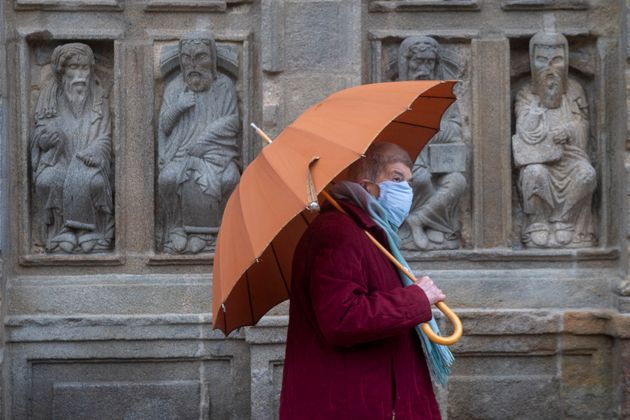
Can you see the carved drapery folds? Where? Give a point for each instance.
(439, 180)
(556, 180)
(198, 144)
(71, 157)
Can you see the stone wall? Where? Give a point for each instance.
(3, 186)
(125, 331)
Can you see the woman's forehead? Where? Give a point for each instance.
(397, 169)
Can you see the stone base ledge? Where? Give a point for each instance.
(33, 328)
(478, 323)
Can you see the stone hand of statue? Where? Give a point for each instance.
(89, 158)
(50, 140)
(186, 99)
(434, 294)
(197, 150)
(560, 135)
(533, 116)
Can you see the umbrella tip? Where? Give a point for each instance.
(313, 206)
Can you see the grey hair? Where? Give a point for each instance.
(377, 157)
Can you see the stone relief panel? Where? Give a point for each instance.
(199, 142)
(552, 149)
(71, 154)
(440, 173)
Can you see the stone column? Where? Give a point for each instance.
(3, 189)
(491, 137)
(136, 174)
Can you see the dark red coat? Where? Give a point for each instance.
(352, 351)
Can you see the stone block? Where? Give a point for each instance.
(322, 37)
(620, 327)
(445, 158)
(504, 397)
(166, 400)
(273, 40)
(320, 86)
(587, 390)
(111, 295)
(587, 323)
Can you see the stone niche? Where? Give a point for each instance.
(440, 217)
(70, 160)
(552, 218)
(188, 184)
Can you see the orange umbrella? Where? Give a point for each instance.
(275, 200)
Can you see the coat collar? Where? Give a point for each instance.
(362, 219)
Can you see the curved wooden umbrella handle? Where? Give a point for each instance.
(457, 327)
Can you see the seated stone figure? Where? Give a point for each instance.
(433, 222)
(198, 148)
(556, 178)
(71, 158)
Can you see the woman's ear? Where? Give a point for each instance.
(371, 187)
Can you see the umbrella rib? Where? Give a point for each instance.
(322, 139)
(414, 125)
(284, 281)
(436, 97)
(249, 297)
(304, 218)
(251, 245)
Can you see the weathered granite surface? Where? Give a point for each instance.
(126, 331)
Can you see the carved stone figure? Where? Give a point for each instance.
(438, 179)
(71, 157)
(556, 178)
(198, 148)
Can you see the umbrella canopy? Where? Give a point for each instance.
(268, 211)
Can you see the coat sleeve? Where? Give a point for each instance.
(346, 312)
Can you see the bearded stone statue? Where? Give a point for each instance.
(198, 148)
(556, 179)
(433, 221)
(71, 157)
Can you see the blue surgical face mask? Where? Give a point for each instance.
(395, 198)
